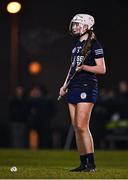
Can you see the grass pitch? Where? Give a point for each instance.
(54, 164)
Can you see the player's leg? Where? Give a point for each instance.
(81, 125)
(72, 109)
(83, 135)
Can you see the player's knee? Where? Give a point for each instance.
(79, 128)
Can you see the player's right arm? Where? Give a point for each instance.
(63, 89)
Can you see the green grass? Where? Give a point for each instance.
(53, 164)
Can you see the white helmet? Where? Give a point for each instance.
(84, 19)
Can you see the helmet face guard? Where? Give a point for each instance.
(82, 20)
(77, 29)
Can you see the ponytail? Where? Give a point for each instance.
(88, 43)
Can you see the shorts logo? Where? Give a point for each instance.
(83, 95)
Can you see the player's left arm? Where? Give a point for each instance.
(99, 68)
(98, 54)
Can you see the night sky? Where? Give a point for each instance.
(44, 37)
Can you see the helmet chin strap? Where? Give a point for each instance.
(82, 29)
(79, 35)
(84, 33)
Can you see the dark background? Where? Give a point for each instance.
(43, 36)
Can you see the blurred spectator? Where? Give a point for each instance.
(122, 99)
(41, 112)
(117, 126)
(106, 100)
(101, 115)
(106, 95)
(18, 114)
(123, 88)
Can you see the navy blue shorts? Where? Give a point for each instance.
(84, 94)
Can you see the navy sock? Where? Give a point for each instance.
(90, 158)
(83, 159)
(87, 159)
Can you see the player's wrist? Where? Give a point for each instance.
(84, 68)
(64, 87)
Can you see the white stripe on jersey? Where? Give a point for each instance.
(98, 51)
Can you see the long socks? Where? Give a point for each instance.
(87, 159)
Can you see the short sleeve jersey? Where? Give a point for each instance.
(77, 57)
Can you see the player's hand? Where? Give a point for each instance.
(63, 91)
(79, 68)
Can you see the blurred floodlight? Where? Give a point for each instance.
(35, 68)
(13, 7)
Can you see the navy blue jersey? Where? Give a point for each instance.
(84, 77)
